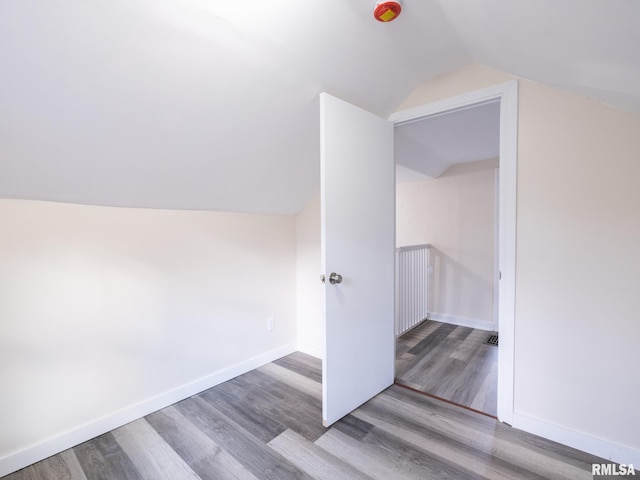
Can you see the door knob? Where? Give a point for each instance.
(335, 278)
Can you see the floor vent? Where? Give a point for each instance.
(493, 340)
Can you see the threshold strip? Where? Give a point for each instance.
(444, 400)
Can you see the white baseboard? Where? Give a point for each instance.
(462, 321)
(579, 440)
(312, 350)
(19, 459)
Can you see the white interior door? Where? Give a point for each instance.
(358, 243)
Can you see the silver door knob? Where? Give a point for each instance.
(322, 278)
(335, 278)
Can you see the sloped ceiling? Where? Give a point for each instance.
(210, 104)
(432, 145)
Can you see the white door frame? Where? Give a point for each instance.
(507, 94)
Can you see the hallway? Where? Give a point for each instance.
(450, 362)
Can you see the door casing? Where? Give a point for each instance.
(507, 94)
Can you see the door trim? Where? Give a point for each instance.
(507, 94)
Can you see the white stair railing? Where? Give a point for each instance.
(412, 286)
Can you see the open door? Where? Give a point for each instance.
(358, 248)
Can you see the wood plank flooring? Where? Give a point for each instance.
(266, 424)
(450, 362)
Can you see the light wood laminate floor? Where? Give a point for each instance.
(450, 362)
(266, 424)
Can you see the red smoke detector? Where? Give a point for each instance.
(386, 11)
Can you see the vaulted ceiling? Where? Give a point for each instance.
(211, 104)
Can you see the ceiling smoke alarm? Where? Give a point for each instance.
(386, 11)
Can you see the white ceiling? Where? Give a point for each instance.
(432, 145)
(211, 104)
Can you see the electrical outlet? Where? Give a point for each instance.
(270, 324)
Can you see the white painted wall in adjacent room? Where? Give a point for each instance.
(455, 215)
(309, 289)
(578, 266)
(109, 313)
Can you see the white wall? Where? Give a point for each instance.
(309, 288)
(578, 264)
(110, 313)
(455, 214)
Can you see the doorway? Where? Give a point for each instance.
(345, 136)
(446, 231)
(504, 98)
